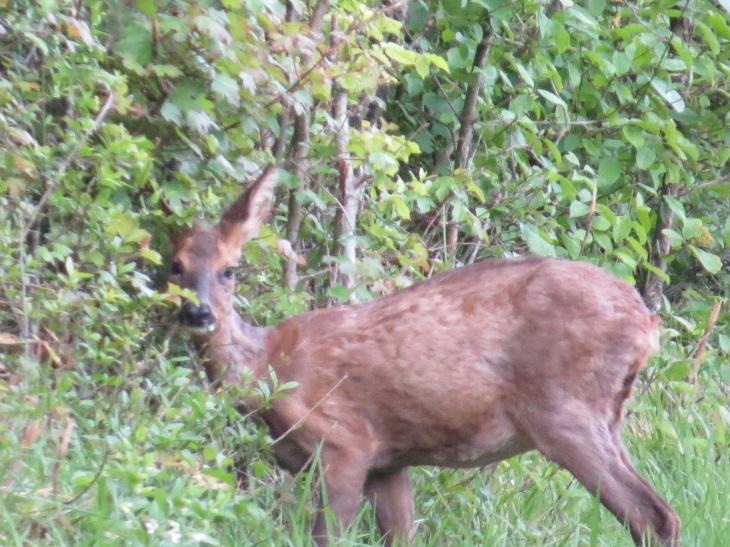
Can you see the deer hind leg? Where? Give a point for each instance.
(344, 472)
(391, 495)
(592, 450)
(666, 528)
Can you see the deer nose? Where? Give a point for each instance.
(195, 316)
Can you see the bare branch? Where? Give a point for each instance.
(692, 376)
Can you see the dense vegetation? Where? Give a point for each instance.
(415, 137)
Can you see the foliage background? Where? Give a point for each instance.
(415, 138)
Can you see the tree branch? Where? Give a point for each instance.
(468, 117)
(654, 288)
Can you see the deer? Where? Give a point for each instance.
(467, 368)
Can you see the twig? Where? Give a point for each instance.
(62, 449)
(309, 412)
(93, 481)
(692, 376)
(715, 182)
(591, 214)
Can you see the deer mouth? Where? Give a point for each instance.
(198, 330)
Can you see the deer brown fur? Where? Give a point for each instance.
(470, 367)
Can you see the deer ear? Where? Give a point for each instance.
(243, 219)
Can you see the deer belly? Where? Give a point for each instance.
(290, 455)
(472, 445)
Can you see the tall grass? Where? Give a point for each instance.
(165, 464)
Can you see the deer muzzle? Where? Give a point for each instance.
(197, 316)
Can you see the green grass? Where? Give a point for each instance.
(156, 466)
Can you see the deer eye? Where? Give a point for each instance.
(176, 268)
(228, 273)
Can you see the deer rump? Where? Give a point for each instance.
(467, 368)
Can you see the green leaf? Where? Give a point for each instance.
(400, 207)
(624, 256)
(562, 40)
(606, 212)
(638, 247)
(621, 63)
(709, 261)
(604, 241)
(220, 475)
(553, 98)
(645, 157)
(135, 42)
(438, 61)
(200, 121)
(571, 244)
(414, 84)
(609, 170)
(70, 267)
(692, 228)
(384, 162)
(676, 206)
(678, 371)
(579, 209)
(152, 256)
(526, 77)
(167, 71)
(639, 231)
(453, 7)
(350, 82)
(601, 223)
(535, 242)
(709, 36)
(671, 96)
(675, 239)
(339, 292)
(400, 54)
(147, 7)
(656, 271)
(634, 134)
(226, 87)
(171, 113)
(725, 344)
(583, 17)
(423, 66)
(718, 22)
(621, 229)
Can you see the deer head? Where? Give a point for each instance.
(204, 261)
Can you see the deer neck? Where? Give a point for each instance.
(234, 348)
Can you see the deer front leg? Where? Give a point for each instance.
(391, 495)
(344, 472)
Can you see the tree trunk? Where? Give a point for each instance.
(351, 187)
(298, 154)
